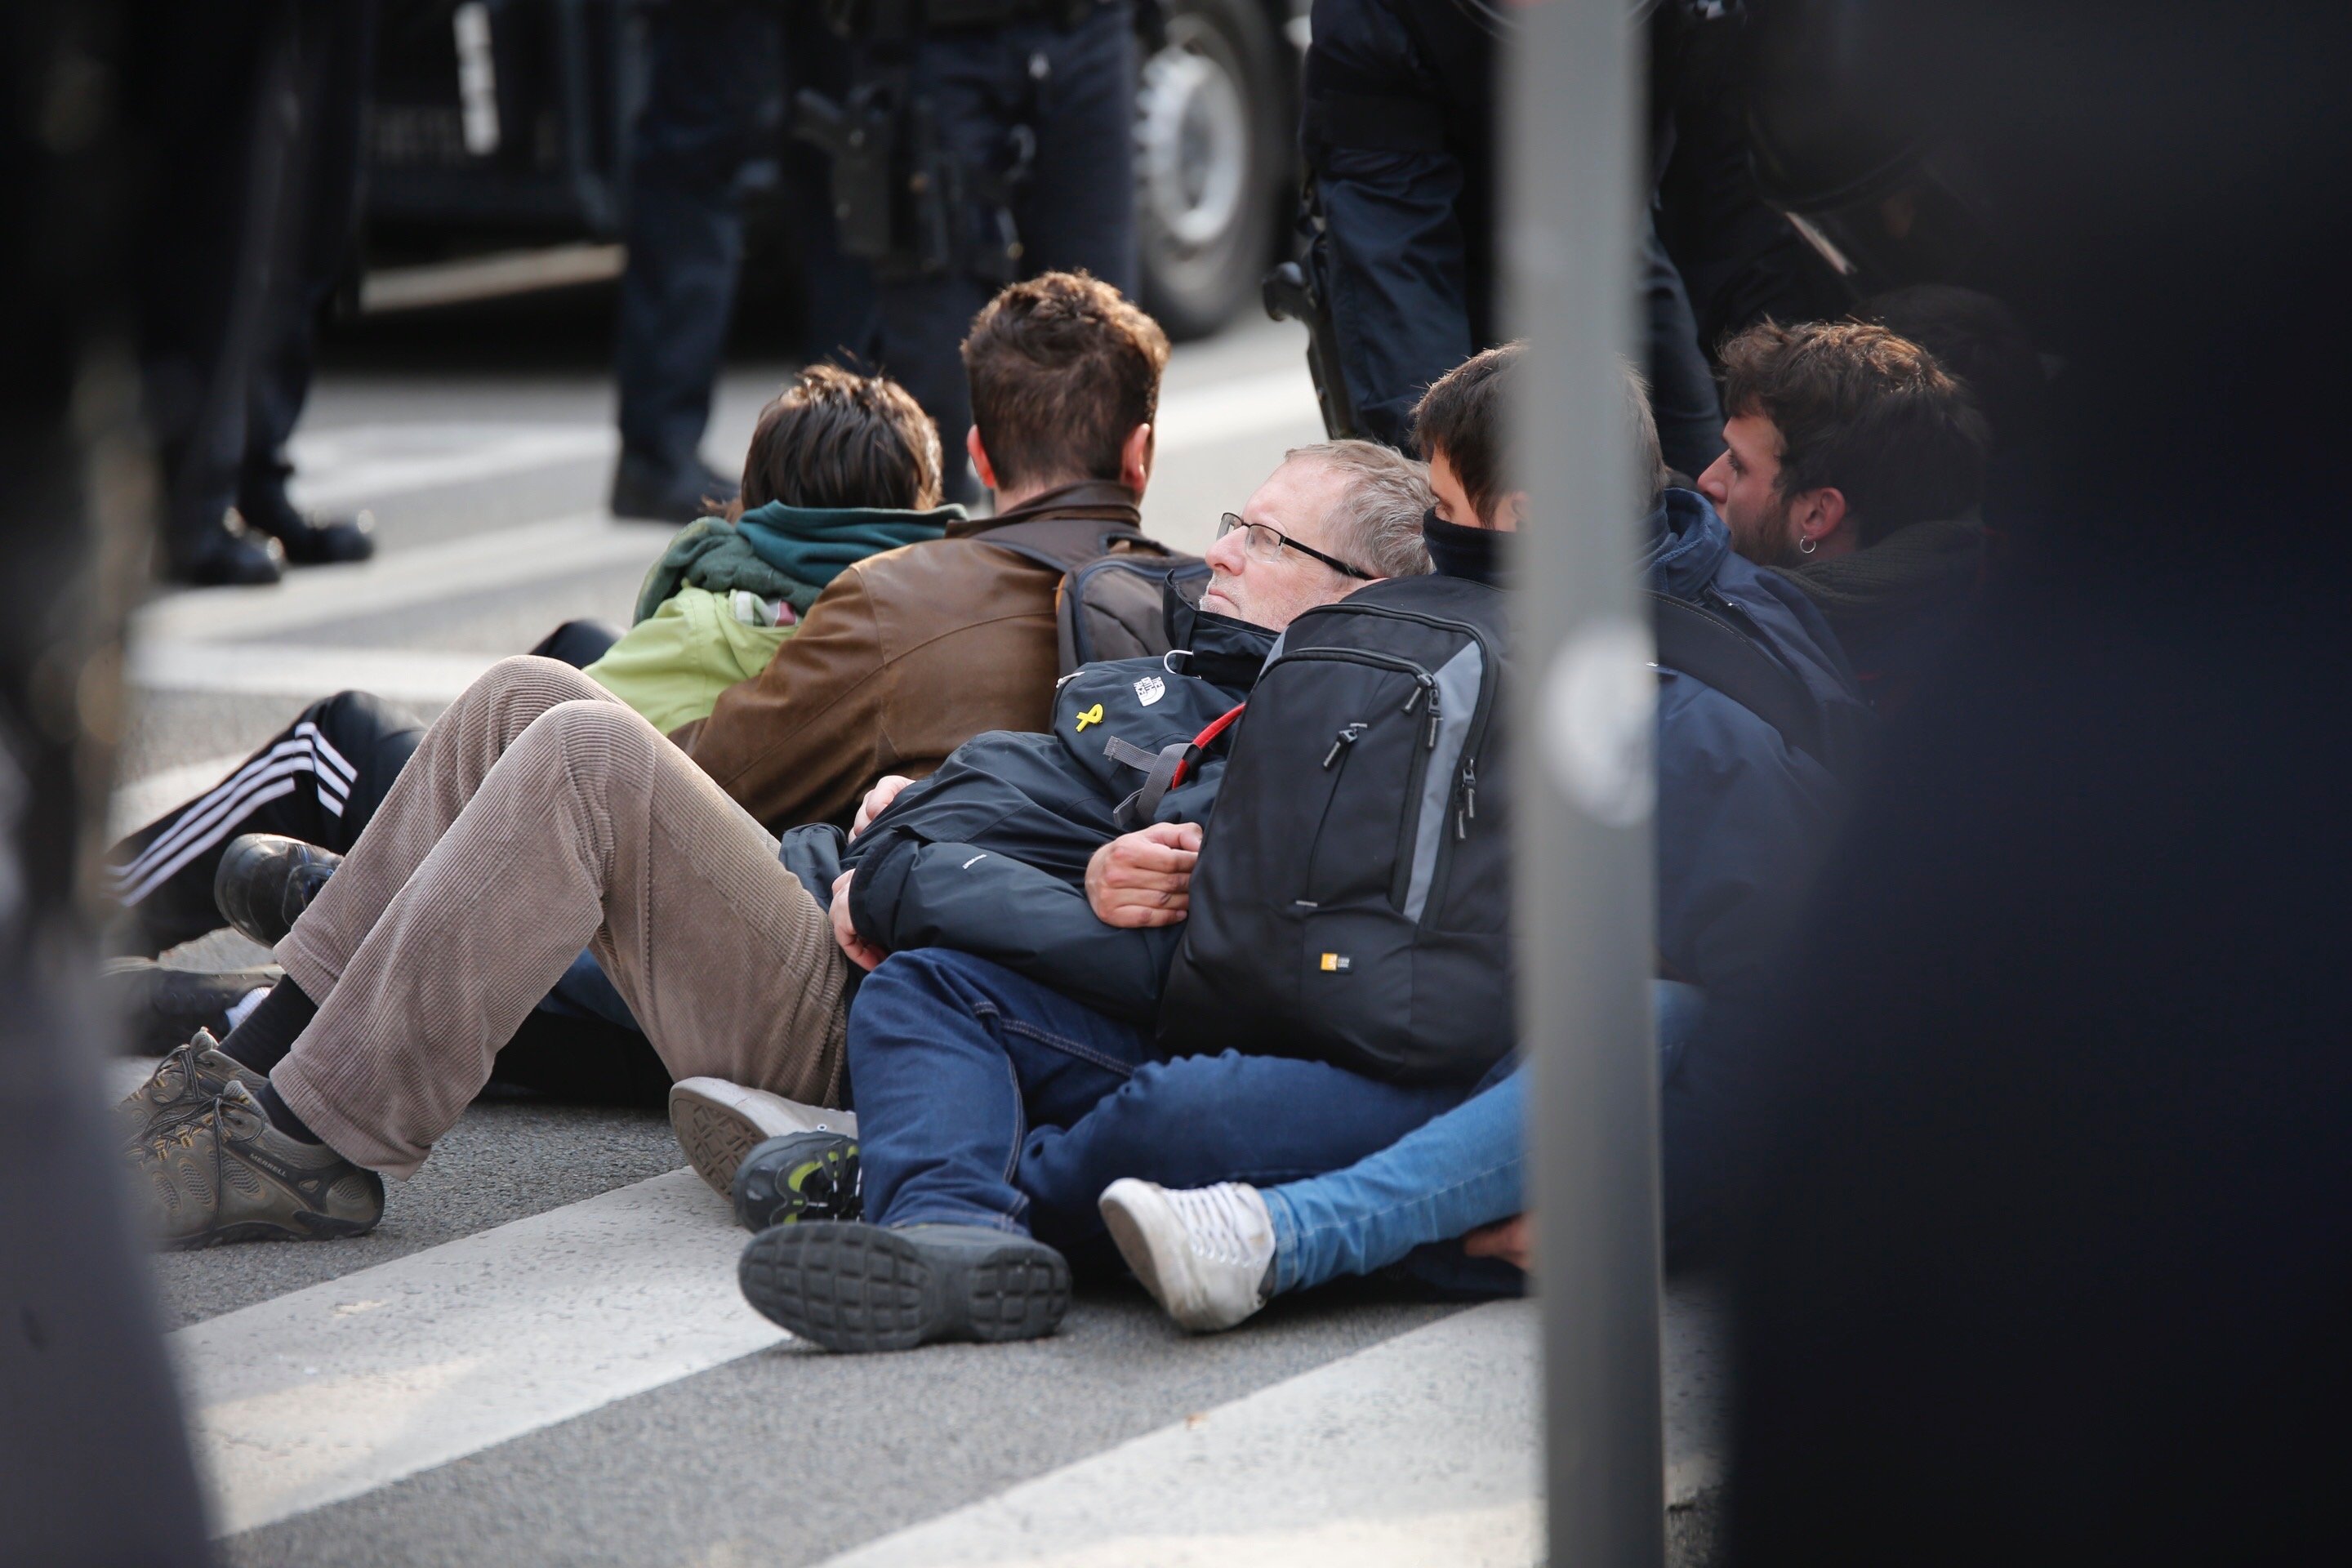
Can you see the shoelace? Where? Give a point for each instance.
(1218, 1222)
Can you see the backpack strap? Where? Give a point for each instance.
(1161, 773)
(1717, 654)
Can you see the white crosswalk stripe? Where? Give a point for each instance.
(335, 1390)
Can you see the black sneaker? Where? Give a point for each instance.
(862, 1287)
(309, 540)
(798, 1177)
(645, 491)
(265, 881)
(160, 1007)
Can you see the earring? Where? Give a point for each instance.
(1806, 547)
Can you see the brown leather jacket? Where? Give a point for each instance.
(903, 658)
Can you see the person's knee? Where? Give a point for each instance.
(359, 719)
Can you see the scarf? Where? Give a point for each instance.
(780, 551)
(1912, 578)
(1457, 551)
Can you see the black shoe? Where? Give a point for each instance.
(649, 492)
(265, 881)
(798, 1178)
(862, 1287)
(160, 1007)
(221, 559)
(309, 541)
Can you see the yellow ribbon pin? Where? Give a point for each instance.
(1091, 716)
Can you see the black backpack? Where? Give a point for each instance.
(1109, 605)
(1352, 902)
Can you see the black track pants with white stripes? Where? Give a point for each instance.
(320, 779)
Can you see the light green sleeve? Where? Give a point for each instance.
(672, 666)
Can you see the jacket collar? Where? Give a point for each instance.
(1683, 543)
(1097, 500)
(1217, 648)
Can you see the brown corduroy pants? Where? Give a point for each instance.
(541, 816)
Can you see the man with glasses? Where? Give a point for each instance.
(1018, 911)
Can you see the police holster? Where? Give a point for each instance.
(900, 196)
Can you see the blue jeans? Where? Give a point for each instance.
(986, 1098)
(1457, 1171)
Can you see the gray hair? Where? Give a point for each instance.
(1377, 523)
(1651, 476)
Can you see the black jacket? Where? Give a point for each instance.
(989, 855)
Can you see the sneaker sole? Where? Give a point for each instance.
(716, 1134)
(303, 1227)
(858, 1288)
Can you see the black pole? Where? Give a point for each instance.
(94, 1463)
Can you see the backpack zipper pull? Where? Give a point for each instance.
(1432, 744)
(1470, 788)
(1348, 735)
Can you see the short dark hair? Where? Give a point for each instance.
(1864, 412)
(1462, 414)
(1980, 341)
(1063, 369)
(834, 438)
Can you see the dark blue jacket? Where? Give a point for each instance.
(1743, 819)
(989, 855)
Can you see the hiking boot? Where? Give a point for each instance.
(643, 491)
(1206, 1254)
(184, 1084)
(267, 880)
(227, 1173)
(162, 1007)
(798, 1178)
(863, 1288)
(718, 1122)
(306, 539)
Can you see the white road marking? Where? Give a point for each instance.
(370, 463)
(262, 669)
(1420, 1450)
(340, 1388)
(320, 595)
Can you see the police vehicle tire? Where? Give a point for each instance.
(1213, 112)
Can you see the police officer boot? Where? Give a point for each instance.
(309, 541)
(646, 489)
(215, 557)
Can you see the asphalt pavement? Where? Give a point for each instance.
(539, 1357)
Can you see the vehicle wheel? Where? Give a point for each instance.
(1212, 137)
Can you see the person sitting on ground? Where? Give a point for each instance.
(839, 466)
(1854, 465)
(730, 589)
(1213, 1252)
(905, 655)
(1010, 991)
(541, 816)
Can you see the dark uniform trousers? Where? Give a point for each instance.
(1073, 90)
(714, 67)
(1399, 137)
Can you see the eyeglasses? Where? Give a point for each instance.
(1262, 542)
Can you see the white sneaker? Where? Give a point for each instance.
(718, 1123)
(1206, 1254)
